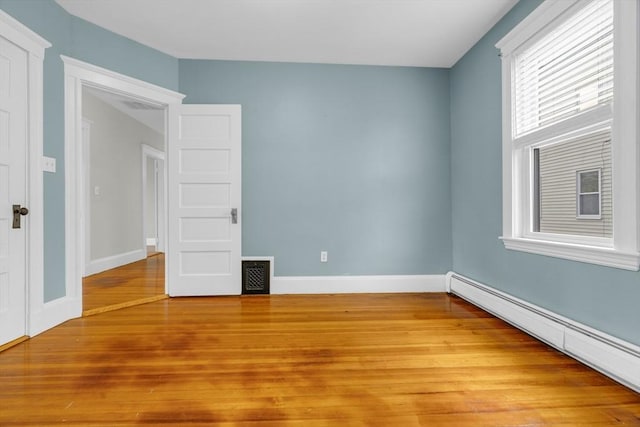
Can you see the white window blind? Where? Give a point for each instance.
(566, 72)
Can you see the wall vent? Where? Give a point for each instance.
(137, 105)
(255, 277)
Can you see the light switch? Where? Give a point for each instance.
(48, 164)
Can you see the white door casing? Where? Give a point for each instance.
(13, 141)
(22, 52)
(204, 183)
(79, 74)
(86, 189)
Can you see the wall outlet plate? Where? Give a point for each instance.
(48, 164)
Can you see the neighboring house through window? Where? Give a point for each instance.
(570, 132)
(588, 200)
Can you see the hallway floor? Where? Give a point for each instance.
(136, 282)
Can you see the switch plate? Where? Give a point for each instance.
(324, 256)
(48, 164)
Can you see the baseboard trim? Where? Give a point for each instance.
(616, 358)
(357, 284)
(107, 263)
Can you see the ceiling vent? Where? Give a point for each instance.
(137, 105)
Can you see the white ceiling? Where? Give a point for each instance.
(424, 33)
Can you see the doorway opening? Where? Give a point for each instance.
(81, 77)
(153, 190)
(123, 142)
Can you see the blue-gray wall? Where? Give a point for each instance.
(79, 39)
(353, 160)
(392, 170)
(605, 298)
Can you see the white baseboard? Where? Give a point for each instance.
(616, 358)
(107, 263)
(349, 284)
(357, 284)
(52, 314)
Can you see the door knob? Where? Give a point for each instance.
(234, 216)
(18, 211)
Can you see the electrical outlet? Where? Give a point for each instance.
(324, 256)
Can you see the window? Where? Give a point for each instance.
(570, 126)
(588, 200)
(560, 207)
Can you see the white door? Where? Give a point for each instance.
(13, 143)
(204, 186)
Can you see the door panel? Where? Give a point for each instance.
(204, 170)
(13, 142)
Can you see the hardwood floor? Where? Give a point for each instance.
(132, 284)
(327, 360)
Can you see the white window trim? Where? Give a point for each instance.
(622, 251)
(579, 193)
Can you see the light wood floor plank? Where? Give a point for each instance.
(325, 360)
(132, 284)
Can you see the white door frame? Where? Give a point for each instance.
(76, 75)
(35, 46)
(86, 180)
(149, 152)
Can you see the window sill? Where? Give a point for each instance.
(590, 254)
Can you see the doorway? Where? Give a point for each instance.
(22, 309)
(120, 137)
(78, 77)
(153, 189)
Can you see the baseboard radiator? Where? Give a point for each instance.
(616, 358)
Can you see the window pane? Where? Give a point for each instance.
(589, 182)
(558, 203)
(568, 71)
(589, 204)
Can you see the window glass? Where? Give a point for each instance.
(589, 182)
(568, 71)
(569, 168)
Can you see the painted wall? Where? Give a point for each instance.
(353, 160)
(602, 297)
(116, 222)
(74, 37)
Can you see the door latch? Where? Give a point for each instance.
(234, 216)
(18, 211)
